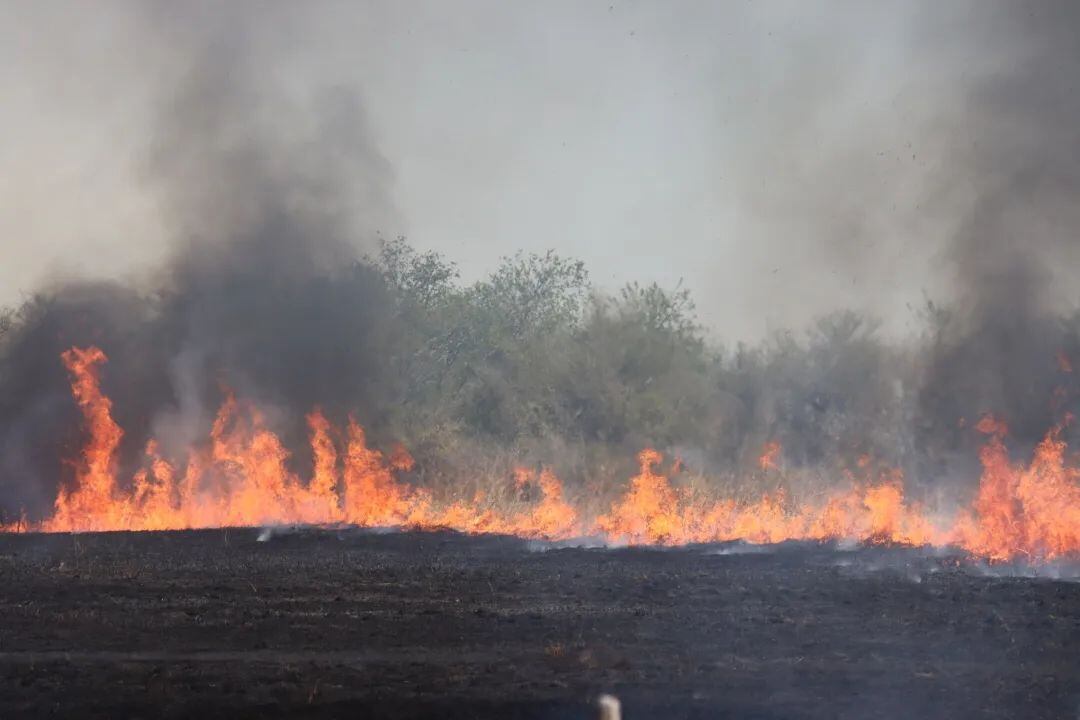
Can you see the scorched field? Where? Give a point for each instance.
(349, 623)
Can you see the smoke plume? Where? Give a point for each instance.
(266, 200)
(270, 189)
(1016, 162)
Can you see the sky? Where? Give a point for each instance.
(779, 159)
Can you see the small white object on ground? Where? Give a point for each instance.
(610, 709)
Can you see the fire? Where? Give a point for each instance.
(650, 512)
(770, 454)
(1064, 363)
(1030, 511)
(92, 501)
(240, 477)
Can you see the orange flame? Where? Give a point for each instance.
(93, 501)
(1031, 511)
(770, 454)
(241, 478)
(649, 513)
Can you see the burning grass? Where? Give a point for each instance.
(240, 478)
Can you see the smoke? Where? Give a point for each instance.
(263, 195)
(267, 198)
(1013, 256)
(267, 187)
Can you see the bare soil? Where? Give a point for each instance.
(352, 624)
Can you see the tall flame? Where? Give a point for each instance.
(93, 501)
(241, 478)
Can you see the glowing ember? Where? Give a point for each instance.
(241, 478)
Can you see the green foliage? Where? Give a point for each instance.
(533, 356)
(533, 352)
(660, 311)
(7, 321)
(528, 295)
(422, 280)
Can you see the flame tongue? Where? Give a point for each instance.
(93, 503)
(242, 479)
(1031, 511)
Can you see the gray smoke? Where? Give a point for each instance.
(268, 200)
(265, 199)
(1016, 156)
(269, 188)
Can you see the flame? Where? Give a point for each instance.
(1028, 511)
(1064, 363)
(241, 477)
(769, 456)
(93, 500)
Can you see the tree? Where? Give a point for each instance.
(425, 280)
(532, 294)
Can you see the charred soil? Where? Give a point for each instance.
(345, 623)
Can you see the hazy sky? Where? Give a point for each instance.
(784, 158)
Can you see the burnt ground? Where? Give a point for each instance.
(404, 625)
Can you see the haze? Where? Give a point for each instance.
(782, 159)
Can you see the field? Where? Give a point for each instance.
(345, 623)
